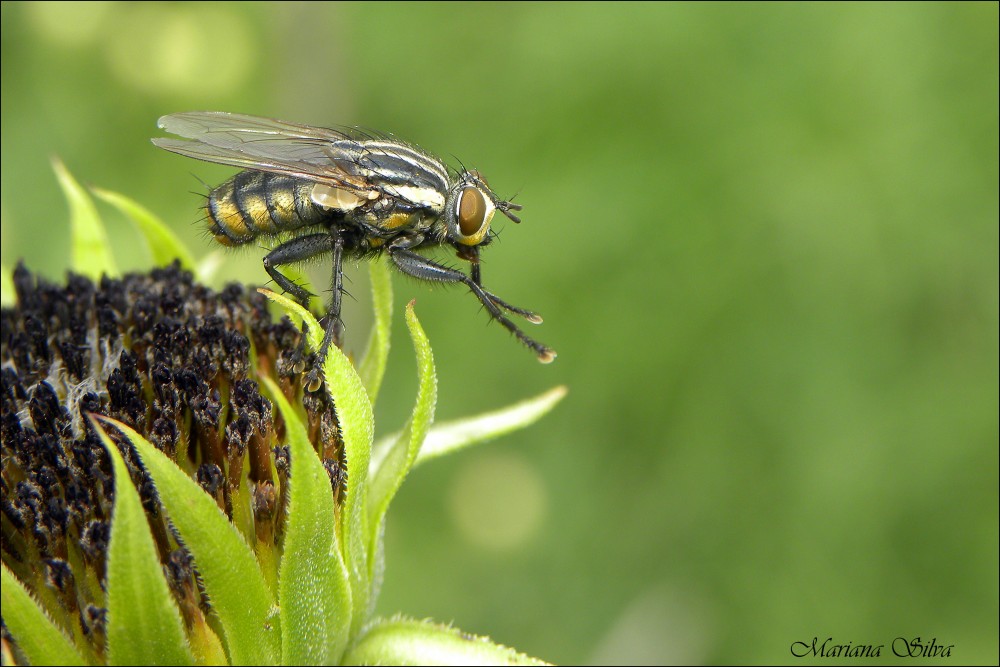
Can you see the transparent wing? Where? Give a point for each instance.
(264, 144)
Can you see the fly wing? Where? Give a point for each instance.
(327, 175)
(264, 144)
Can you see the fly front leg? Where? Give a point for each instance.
(422, 268)
(471, 255)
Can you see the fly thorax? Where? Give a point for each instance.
(421, 197)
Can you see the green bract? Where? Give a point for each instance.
(305, 597)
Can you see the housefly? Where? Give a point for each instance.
(347, 192)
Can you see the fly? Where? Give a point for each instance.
(345, 193)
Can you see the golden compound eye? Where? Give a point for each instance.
(472, 211)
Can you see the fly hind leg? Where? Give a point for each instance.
(297, 250)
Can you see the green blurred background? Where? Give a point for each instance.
(765, 242)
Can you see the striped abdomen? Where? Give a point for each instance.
(255, 203)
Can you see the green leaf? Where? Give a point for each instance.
(314, 592)
(42, 642)
(448, 437)
(399, 457)
(408, 642)
(377, 351)
(232, 578)
(144, 624)
(357, 426)
(451, 436)
(91, 252)
(389, 476)
(163, 243)
(8, 296)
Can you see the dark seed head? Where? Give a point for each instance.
(168, 357)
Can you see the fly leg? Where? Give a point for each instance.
(471, 254)
(332, 332)
(422, 268)
(296, 250)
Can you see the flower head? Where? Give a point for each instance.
(172, 494)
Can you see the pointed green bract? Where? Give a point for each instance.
(91, 254)
(163, 244)
(236, 588)
(390, 474)
(373, 362)
(357, 426)
(314, 592)
(42, 642)
(144, 625)
(408, 642)
(451, 436)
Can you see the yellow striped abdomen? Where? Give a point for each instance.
(257, 203)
